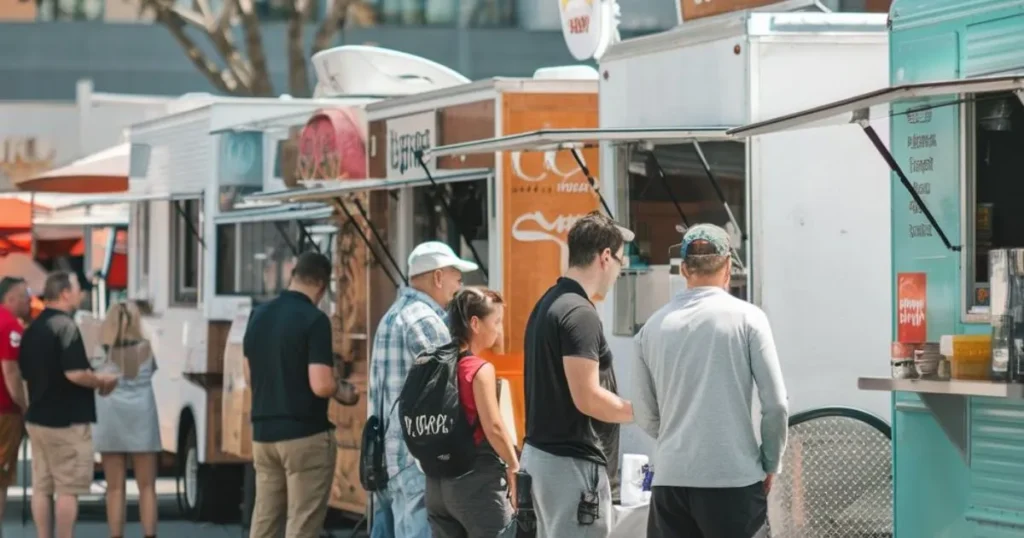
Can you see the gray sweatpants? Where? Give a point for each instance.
(558, 483)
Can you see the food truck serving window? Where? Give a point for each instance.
(994, 164)
(653, 213)
(186, 221)
(468, 203)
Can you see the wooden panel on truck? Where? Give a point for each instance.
(236, 405)
(543, 200)
(216, 338)
(698, 9)
(466, 123)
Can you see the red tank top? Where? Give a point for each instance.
(469, 365)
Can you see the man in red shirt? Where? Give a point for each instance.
(14, 308)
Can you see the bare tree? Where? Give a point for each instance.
(246, 74)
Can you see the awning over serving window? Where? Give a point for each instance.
(275, 212)
(556, 139)
(336, 188)
(135, 197)
(861, 109)
(573, 140)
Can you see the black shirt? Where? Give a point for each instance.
(51, 346)
(283, 337)
(564, 324)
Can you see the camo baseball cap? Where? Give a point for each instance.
(717, 237)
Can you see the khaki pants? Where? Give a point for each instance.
(61, 459)
(12, 428)
(293, 483)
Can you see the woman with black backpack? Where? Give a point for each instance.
(477, 504)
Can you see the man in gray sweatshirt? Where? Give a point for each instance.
(699, 358)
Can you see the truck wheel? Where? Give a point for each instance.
(207, 492)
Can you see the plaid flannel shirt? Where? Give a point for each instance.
(415, 323)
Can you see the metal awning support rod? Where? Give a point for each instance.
(597, 190)
(895, 167)
(718, 189)
(287, 240)
(448, 213)
(653, 159)
(366, 240)
(304, 236)
(380, 240)
(590, 179)
(188, 223)
(725, 203)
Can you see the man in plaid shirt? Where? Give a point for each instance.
(415, 323)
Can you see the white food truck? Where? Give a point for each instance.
(814, 253)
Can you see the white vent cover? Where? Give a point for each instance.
(566, 72)
(359, 70)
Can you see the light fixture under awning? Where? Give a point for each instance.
(331, 189)
(859, 109)
(557, 139)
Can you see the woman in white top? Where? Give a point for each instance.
(127, 423)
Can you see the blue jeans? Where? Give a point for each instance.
(401, 511)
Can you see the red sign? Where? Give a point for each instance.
(332, 145)
(911, 308)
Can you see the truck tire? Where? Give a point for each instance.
(207, 493)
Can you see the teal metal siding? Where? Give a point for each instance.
(906, 14)
(996, 501)
(993, 46)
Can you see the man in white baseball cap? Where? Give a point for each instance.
(415, 323)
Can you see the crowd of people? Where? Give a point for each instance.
(697, 361)
(55, 391)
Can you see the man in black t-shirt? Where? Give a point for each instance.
(61, 405)
(290, 367)
(567, 408)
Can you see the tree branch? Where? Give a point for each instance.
(333, 21)
(175, 23)
(260, 84)
(219, 30)
(298, 75)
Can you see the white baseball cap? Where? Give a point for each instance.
(434, 255)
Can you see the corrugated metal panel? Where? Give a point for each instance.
(993, 47)
(996, 501)
(181, 156)
(912, 13)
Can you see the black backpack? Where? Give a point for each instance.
(434, 426)
(373, 471)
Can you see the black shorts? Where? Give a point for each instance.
(707, 512)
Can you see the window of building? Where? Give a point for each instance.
(466, 13)
(468, 203)
(186, 231)
(70, 10)
(653, 213)
(994, 138)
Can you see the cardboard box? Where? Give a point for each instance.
(236, 402)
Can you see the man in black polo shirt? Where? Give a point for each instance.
(288, 347)
(61, 405)
(568, 408)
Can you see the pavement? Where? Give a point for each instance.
(92, 518)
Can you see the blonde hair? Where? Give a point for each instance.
(122, 325)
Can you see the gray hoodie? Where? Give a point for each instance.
(698, 359)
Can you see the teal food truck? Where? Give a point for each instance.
(955, 108)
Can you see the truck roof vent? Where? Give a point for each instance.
(566, 72)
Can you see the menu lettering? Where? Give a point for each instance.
(921, 164)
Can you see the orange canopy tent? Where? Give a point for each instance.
(16, 215)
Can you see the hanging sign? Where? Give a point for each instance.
(911, 308)
(588, 26)
(407, 135)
